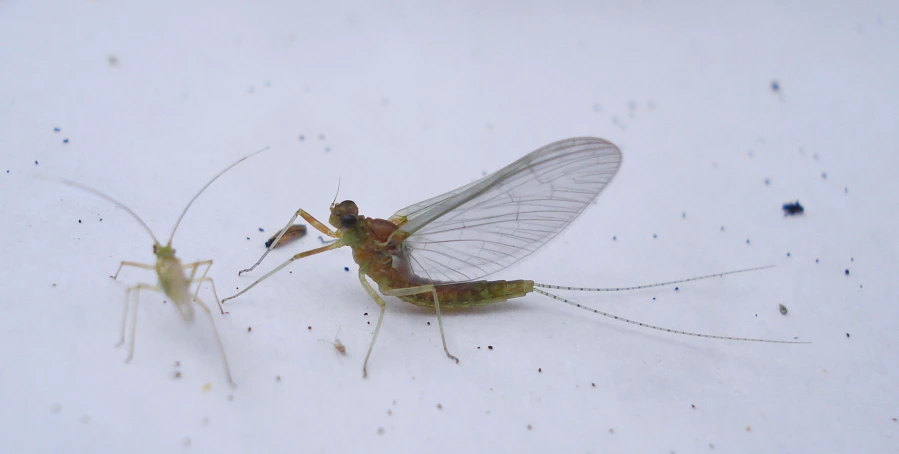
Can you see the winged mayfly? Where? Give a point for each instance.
(436, 253)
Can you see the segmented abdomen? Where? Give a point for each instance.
(469, 294)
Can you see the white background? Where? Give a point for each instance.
(412, 100)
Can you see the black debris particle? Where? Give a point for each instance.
(365, 313)
(847, 335)
(261, 229)
(346, 268)
(817, 260)
(429, 323)
(847, 271)
(309, 327)
(793, 208)
(693, 406)
(248, 238)
(79, 221)
(539, 369)
(249, 329)
(783, 309)
(593, 384)
(35, 162)
(489, 347)
(529, 427)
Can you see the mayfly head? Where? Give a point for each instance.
(344, 215)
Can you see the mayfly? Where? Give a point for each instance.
(434, 252)
(172, 276)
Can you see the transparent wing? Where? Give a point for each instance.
(492, 223)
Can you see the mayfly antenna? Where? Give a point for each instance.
(178, 222)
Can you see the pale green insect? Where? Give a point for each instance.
(172, 275)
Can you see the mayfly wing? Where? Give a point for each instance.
(487, 225)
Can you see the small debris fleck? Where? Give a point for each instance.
(793, 208)
(847, 271)
(261, 229)
(309, 327)
(56, 129)
(380, 431)
(186, 442)
(823, 175)
(767, 182)
(35, 162)
(277, 378)
(249, 329)
(346, 268)
(56, 408)
(539, 369)
(748, 429)
(693, 405)
(775, 86)
(177, 375)
(530, 427)
(489, 347)
(847, 335)
(788, 254)
(79, 221)
(683, 215)
(302, 137)
(747, 240)
(593, 384)
(722, 228)
(207, 386)
(817, 260)
(321, 137)
(614, 238)
(783, 309)
(676, 289)
(66, 140)
(365, 313)
(611, 431)
(177, 363)
(654, 236)
(439, 407)
(112, 60)
(429, 323)
(389, 412)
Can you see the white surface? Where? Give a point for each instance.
(414, 101)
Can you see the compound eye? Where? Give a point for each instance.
(348, 221)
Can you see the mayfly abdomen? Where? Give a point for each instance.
(470, 294)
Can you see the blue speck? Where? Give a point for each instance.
(614, 238)
(653, 298)
(302, 137)
(775, 86)
(676, 288)
(846, 190)
(683, 215)
(767, 182)
(346, 268)
(847, 271)
(722, 228)
(35, 162)
(327, 148)
(261, 229)
(747, 240)
(56, 129)
(654, 235)
(66, 140)
(824, 175)
(816, 260)
(248, 238)
(788, 254)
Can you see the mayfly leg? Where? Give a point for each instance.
(333, 245)
(311, 220)
(383, 306)
(425, 289)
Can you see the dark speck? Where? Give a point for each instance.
(248, 238)
(346, 268)
(676, 288)
(261, 229)
(722, 228)
(654, 235)
(847, 335)
(852, 259)
(683, 215)
(66, 140)
(56, 129)
(847, 271)
(653, 298)
(614, 238)
(302, 137)
(824, 175)
(788, 254)
(817, 260)
(793, 208)
(489, 347)
(747, 240)
(35, 162)
(775, 87)
(767, 182)
(79, 221)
